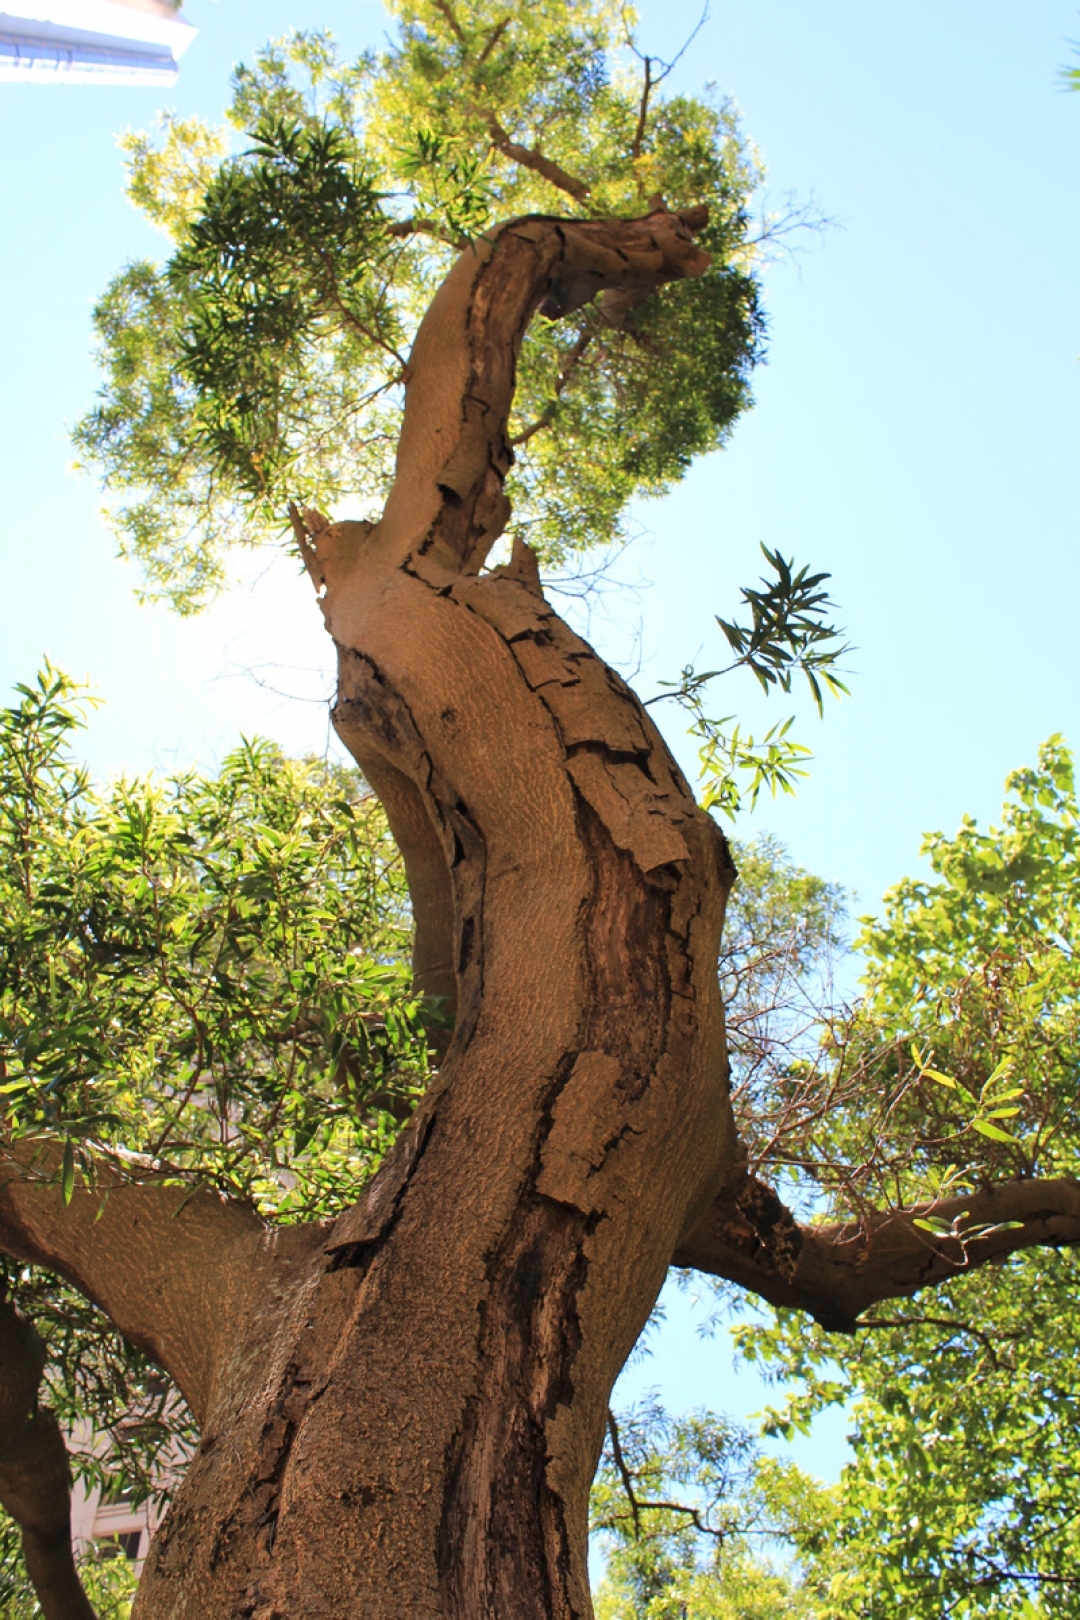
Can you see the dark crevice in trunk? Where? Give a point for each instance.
(504, 1547)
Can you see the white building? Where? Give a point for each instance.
(96, 1519)
(110, 1520)
(92, 41)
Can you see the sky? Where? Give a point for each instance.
(914, 433)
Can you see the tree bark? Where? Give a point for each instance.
(410, 1423)
(837, 1272)
(35, 1480)
(402, 1411)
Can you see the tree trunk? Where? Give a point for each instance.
(402, 1411)
(409, 1421)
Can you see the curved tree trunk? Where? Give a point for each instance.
(401, 1412)
(409, 1421)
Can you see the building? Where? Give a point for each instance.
(108, 1520)
(92, 41)
(95, 1518)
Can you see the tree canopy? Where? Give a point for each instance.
(959, 1495)
(264, 361)
(338, 1198)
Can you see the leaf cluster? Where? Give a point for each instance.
(694, 1520)
(789, 634)
(210, 972)
(958, 1067)
(264, 360)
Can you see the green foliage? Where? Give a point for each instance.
(265, 360)
(789, 634)
(204, 978)
(964, 1403)
(969, 1028)
(696, 1522)
(959, 1500)
(285, 250)
(206, 971)
(108, 1581)
(784, 931)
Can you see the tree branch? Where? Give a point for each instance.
(836, 1272)
(530, 158)
(462, 367)
(167, 1264)
(35, 1479)
(456, 28)
(643, 111)
(418, 225)
(566, 371)
(624, 1472)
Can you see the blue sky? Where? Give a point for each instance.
(915, 429)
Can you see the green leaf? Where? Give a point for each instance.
(67, 1172)
(995, 1134)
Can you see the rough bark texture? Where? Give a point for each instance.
(35, 1481)
(838, 1272)
(408, 1418)
(402, 1412)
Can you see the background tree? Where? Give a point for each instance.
(959, 1496)
(401, 1405)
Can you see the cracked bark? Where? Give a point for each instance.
(401, 1412)
(410, 1420)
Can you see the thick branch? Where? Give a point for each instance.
(837, 1272)
(164, 1262)
(454, 451)
(35, 1480)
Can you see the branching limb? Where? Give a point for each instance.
(638, 1506)
(566, 371)
(624, 1472)
(35, 1479)
(652, 79)
(530, 158)
(837, 1272)
(166, 1264)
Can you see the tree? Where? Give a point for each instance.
(959, 1498)
(401, 1397)
(960, 1493)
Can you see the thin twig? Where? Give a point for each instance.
(624, 1472)
(566, 371)
(643, 112)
